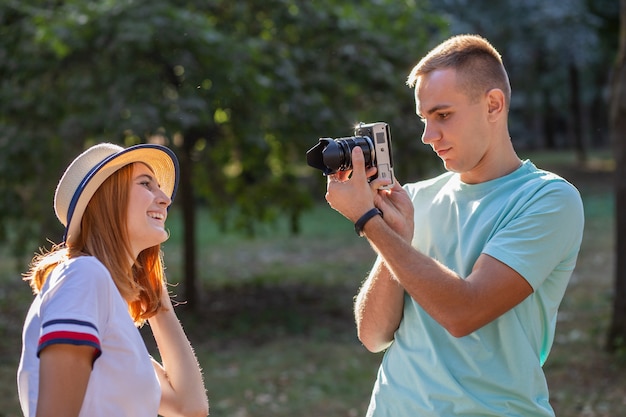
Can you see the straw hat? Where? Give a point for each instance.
(91, 168)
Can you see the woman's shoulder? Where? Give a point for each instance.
(84, 262)
(80, 267)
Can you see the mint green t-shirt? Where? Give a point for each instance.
(532, 221)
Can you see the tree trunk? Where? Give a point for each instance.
(617, 121)
(189, 225)
(549, 122)
(577, 116)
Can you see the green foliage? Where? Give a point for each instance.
(307, 69)
(240, 90)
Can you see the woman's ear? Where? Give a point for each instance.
(495, 104)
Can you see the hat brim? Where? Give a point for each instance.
(160, 159)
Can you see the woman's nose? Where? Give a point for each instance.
(163, 198)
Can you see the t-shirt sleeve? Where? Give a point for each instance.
(73, 309)
(543, 234)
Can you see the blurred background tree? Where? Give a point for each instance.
(616, 340)
(558, 55)
(240, 90)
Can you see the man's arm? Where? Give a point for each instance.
(459, 305)
(378, 308)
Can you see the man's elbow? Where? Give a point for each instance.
(460, 331)
(460, 327)
(373, 343)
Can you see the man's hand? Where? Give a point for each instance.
(349, 192)
(397, 210)
(352, 195)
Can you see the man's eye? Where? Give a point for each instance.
(444, 115)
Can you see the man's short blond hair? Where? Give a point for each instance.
(478, 65)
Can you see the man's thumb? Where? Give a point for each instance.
(358, 162)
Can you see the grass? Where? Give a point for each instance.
(275, 334)
(293, 377)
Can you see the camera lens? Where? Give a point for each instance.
(347, 145)
(332, 155)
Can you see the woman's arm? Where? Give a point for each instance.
(64, 372)
(182, 386)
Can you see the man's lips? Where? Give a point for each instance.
(442, 151)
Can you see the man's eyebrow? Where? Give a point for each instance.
(437, 108)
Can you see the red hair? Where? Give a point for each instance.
(104, 235)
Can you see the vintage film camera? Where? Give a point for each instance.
(332, 155)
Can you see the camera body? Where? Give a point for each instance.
(333, 155)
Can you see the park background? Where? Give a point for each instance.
(240, 90)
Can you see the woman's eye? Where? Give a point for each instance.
(146, 184)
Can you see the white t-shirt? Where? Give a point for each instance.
(79, 304)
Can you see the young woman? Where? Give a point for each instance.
(82, 352)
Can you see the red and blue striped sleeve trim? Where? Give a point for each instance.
(69, 321)
(71, 332)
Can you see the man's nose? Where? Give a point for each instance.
(430, 134)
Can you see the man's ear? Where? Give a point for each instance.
(496, 104)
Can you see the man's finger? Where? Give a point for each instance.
(358, 164)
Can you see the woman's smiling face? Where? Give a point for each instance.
(147, 210)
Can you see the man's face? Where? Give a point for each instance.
(455, 127)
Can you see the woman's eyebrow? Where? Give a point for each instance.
(149, 178)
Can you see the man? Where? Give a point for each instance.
(472, 265)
